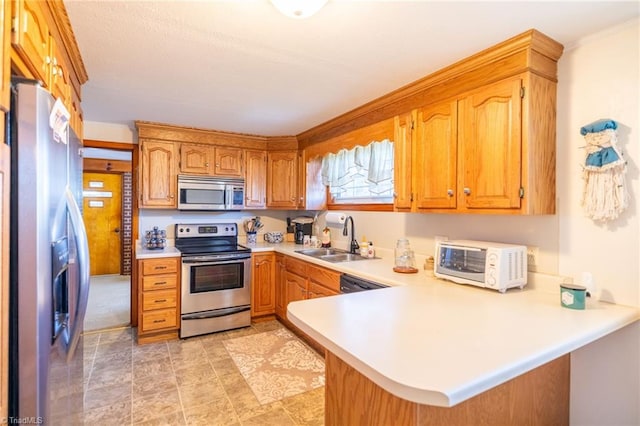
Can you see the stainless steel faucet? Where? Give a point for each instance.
(353, 245)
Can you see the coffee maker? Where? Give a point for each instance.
(303, 227)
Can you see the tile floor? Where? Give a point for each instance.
(181, 382)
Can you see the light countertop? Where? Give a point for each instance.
(169, 251)
(440, 343)
(435, 342)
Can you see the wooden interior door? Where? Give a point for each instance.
(102, 207)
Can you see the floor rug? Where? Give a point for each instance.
(276, 364)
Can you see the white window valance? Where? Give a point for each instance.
(372, 164)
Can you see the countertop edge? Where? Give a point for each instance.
(451, 397)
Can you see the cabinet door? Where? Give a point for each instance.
(195, 158)
(228, 162)
(31, 37)
(263, 300)
(255, 179)
(282, 179)
(403, 129)
(296, 287)
(60, 77)
(435, 156)
(158, 174)
(491, 148)
(281, 286)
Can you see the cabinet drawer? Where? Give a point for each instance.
(159, 266)
(159, 282)
(166, 318)
(328, 278)
(296, 266)
(152, 300)
(316, 290)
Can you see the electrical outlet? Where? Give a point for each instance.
(532, 258)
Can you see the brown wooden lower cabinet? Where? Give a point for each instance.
(158, 299)
(300, 280)
(539, 397)
(263, 295)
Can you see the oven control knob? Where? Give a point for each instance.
(181, 230)
(188, 230)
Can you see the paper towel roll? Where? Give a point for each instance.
(335, 218)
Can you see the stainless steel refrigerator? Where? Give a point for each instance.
(49, 264)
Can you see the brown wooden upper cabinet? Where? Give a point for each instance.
(479, 152)
(158, 177)
(255, 179)
(282, 179)
(41, 54)
(211, 160)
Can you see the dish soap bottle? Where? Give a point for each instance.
(364, 247)
(370, 251)
(326, 237)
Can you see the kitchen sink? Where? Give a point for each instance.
(317, 252)
(331, 255)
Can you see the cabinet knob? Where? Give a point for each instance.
(293, 198)
(206, 164)
(450, 192)
(467, 191)
(171, 196)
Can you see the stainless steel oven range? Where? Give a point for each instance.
(216, 278)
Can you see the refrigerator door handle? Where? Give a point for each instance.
(82, 244)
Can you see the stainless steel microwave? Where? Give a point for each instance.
(209, 193)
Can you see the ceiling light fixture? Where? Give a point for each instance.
(298, 9)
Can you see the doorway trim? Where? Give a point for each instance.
(133, 149)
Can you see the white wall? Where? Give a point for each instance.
(110, 132)
(600, 78)
(166, 219)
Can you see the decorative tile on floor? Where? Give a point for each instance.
(306, 409)
(106, 396)
(155, 405)
(220, 413)
(276, 416)
(115, 414)
(161, 383)
(201, 393)
(182, 382)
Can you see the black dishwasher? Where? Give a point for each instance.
(351, 284)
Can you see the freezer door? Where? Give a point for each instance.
(51, 267)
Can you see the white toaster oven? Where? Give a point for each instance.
(492, 265)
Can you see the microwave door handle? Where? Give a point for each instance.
(228, 197)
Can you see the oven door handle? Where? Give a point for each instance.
(215, 314)
(202, 262)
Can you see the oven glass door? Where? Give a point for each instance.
(215, 277)
(209, 285)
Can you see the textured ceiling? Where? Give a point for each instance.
(241, 66)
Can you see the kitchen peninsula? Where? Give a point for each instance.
(441, 353)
